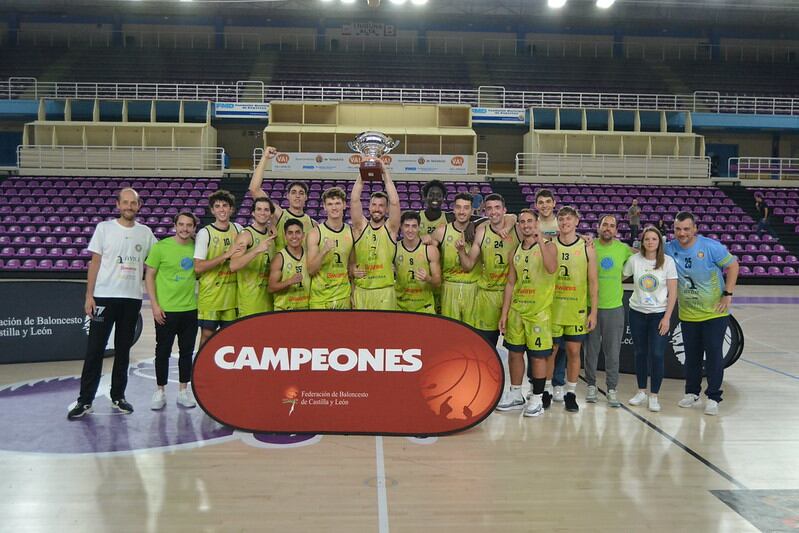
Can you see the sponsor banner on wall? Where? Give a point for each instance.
(255, 111)
(674, 357)
(498, 115)
(365, 372)
(399, 164)
(44, 321)
(369, 29)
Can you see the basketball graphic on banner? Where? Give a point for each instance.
(456, 388)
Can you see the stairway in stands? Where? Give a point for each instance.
(745, 199)
(512, 193)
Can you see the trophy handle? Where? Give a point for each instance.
(352, 147)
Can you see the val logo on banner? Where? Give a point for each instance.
(364, 372)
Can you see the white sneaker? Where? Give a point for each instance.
(654, 404)
(689, 400)
(512, 400)
(159, 400)
(590, 396)
(558, 394)
(638, 399)
(711, 407)
(613, 398)
(185, 398)
(534, 409)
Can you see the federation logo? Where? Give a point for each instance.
(606, 263)
(290, 397)
(187, 263)
(648, 283)
(700, 255)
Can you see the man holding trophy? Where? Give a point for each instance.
(375, 237)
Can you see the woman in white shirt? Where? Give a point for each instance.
(651, 304)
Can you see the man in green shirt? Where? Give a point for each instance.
(611, 254)
(170, 281)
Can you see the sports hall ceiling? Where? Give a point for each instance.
(781, 16)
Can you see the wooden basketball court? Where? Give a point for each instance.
(601, 469)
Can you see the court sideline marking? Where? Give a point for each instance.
(382, 499)
(680, 445)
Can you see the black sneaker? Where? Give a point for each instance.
(546, 399)
(570, 400)
(79, 410)
(123, 406)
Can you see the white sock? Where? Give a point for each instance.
(571, 387)
(538, 399)
(548, 386)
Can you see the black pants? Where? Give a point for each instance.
(183, 325)
(122, 312)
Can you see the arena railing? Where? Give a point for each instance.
(764, 168)
(127, 158)
(253, 91)
(549, 165)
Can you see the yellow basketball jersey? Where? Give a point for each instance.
(253, 279)
(535, 287)
(495, 254)
(427, 226)
(332, 282)
(374, 252)
(571, 288)
(451, 269)
(218, 288)
(295, 296)
(412, 294)
(280, 227)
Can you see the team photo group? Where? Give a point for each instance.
(553, 295)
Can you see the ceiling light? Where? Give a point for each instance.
(397, 2)
(418, 2)
(556, 4)
(604, 4)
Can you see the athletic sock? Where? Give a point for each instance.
(538, 386)
(548, 386)
(571, 387)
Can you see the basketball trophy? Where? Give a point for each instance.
(372, 145)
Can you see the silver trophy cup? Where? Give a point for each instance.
(372, 145)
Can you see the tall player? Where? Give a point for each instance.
(459, 287)
(433, 217)
(577, 278)
(525, 319)
(255, 249)
(214, 245)
(288, 278)
(375, 246)
(329, 247)
(297, 193)
(417, 267)
(493, 252)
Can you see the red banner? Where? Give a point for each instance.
(367, 372)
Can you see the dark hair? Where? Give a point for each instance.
(334, 192)
(301, 184)
(379, 194)
(433, 183)
(494, 197)
(221, 195)
(544, 193)
(188, 214)
(264, 199)
(464, 196)
(410, 215)
(568, 210)
(292, 222)
(685, 215)
(526, 211)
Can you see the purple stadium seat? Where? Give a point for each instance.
(13, 264)
(744, 271)
(789, 271)
(28, 264)
(791, 259)
(759, 271)
(774, 271)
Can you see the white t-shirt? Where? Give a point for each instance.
(123, 251)
(201, 241)
(548, 228)
(650, 294)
